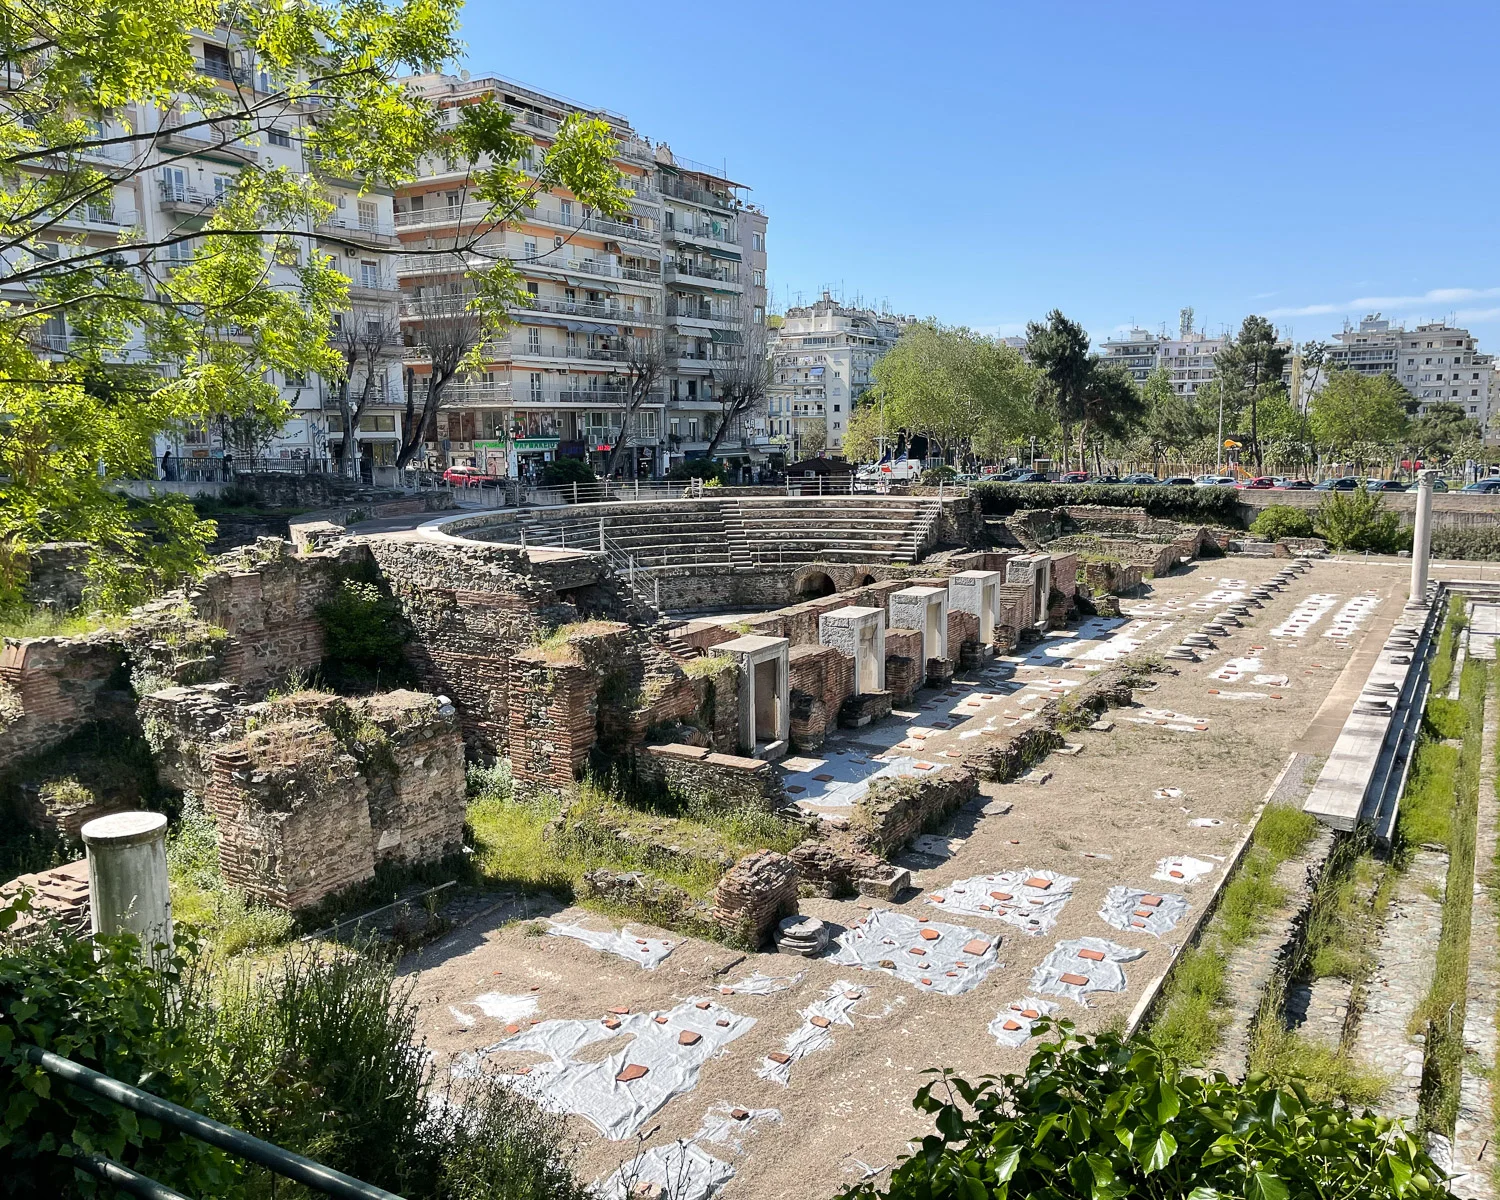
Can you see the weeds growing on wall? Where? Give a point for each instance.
(364, 637)
(224, 915)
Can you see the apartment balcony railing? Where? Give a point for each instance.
(591, 266)
(528, 349)
(453, 263)
(477, 392)
(671, 185)
(217, 69)
(591, 224)
(471, 213)
(373, 233)
(185, 196)
(724, 236)
(687, 271)
(698, 312)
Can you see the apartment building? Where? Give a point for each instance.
(1374, 348)
(175, 185)
(822, 356)
(674, 269)
(1188, 359)
(1441, 364)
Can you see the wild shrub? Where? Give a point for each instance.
(567, 470)
(1282, 521)
(1359, 521)
(364, 635)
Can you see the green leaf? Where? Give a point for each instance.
(1168, 1104)
(1263, 1185)
(1160, 1153)
(1205, 1193)
(1004, 1164)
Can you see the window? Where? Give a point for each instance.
(369, 214)
(369, 273)
(296, 379)
(760, 315)
(377, 423)
(567, 210)
(102, 210)
(531, 289)
(692, 429)
(757, 241)
(528, 247)
(758, 277)
(280, 137)
(534, 340)
(836, 408)
(536, 385)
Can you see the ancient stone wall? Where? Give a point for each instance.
(184, 725)
(756, 893)
(56, 575)
(893, 811)
(904, 667)
(52, 687)
(1017, 612)
(414, 770)
(821, 680)
(718, 782)
(717, 688)
(1111, 578)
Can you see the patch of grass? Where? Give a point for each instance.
(43, 622)
(1344, 916)
(1442, 664)
(709, 664)
(200, 898)
(1192, 1016)
(1426, 814)
(1445, 718)
(1442, 1010)
(1325, 1073)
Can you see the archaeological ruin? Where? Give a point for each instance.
(775, 801)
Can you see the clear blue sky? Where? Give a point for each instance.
(984, 163)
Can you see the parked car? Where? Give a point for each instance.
(1440, 485)
(1215, 481)
(1384, 485)
(468, 477)
(1073, 477)
(1031, 477)
(1261, 483)
(1483, 487)
(1178, 481)
(1293, 485)
(1105, 479)
(1141, 479)
(1345, 483)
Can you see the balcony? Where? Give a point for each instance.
(473, 213)
(600, 225)
(188, 200)
(592, 266)
(671, 185)
(477, 392)
(366, 233)
(722, 239)
(700, 275)
(528, 349)
(88, 216)
(437, 263)
(677, 312)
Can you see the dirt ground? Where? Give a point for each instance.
(846, 1110)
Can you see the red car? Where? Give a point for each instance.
(468, 477)
(1261, 483)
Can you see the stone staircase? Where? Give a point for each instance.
(734, 529)
(794, 529)
(680, 534)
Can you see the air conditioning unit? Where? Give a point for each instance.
(557, 242)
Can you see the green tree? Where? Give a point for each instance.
(1173, 421)
(949, 383)
(1080, 388)
(1248, 367)
(862, 440)
(1443, 431)
(1352, 408)
(188, 328)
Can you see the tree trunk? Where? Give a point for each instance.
(346, 446)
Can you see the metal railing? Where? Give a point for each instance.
(185, 193)
(924, 529)
(700, 271)
(195, 1125)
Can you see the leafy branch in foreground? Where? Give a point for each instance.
(1105, 1118)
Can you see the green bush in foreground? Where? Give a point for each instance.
(1104, 1118)
(1282, 521)
(1205, 505)
(1358, 521)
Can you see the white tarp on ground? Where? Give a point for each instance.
(1235, 667)
(850, 777)
(1068, 972)
(1123, 908)
(1175, 721)
(681, 1170)
(1012, 1025)
(1354, 614)
(949, 961)
(756, 984)
(648, 952)
(1305, 615)
(1182, 869)
(1007, 896)
(564, 1083)
(505, 1009)
(816, 1031)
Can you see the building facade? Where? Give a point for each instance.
(672, 273)
(1189, 359)
(822, 356)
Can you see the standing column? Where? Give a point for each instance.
(1421, 538)
(128, 876)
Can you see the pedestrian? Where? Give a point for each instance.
(168, 466)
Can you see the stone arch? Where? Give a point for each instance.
(814, 584)
(862, 579)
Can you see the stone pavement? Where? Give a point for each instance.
(1405, 961)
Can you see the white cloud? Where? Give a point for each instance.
(1436, 298)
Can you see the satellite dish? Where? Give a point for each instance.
(464, 74)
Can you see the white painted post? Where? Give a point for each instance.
(1421, 538)
(575, 491)
(128, 892)
(656, 592)
(601, 535)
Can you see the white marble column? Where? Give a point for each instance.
(1421, 538)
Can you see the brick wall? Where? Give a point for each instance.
(416, 780)
(903, 663)
(52, 687)
(756, 893)
(56, 575)
(893, 811)
(723, 782)
(821, 679)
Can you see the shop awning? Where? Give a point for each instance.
(590, 327)
(727, 337)
(732, 255)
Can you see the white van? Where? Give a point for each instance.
(906, 470)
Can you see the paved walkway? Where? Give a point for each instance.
(1405, 961)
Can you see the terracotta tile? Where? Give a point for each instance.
(1011, 1025)
(1001, 896)
(688, 1038)
(977, 946)
(960, 964)
(796, 790)
(723, 1021)
(1141, 912)
(1036, 881)
(929, 935)
(703, 1004)
(739, 1114)
(936, 899)
(1213, 691)
(1138, 924)
(918, 951)
(1030, 1014)
(1092, 955)
(1176, 874)
(1200, 728)
(820, 1022)
(661, 1020)
(776, 1056)
(1150, 901)
(611, 1023)
(726, 991)
(512, 1029)
(1074, 980)
(620, 1012)
(823, 778)
(928, 982)
(923, 766)
(632, 1071)
(853, 994)
(952, 974)
(520, 1070)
